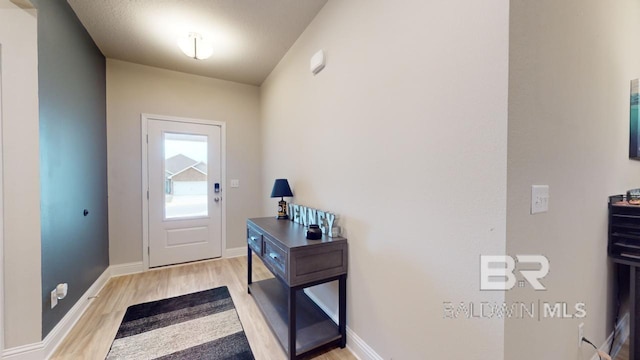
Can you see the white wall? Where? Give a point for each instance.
(18, 39)
(404, 135)
(570, 67)
(134, 89)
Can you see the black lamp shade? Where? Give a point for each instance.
(281, 188)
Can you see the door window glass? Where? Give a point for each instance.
(185, 175)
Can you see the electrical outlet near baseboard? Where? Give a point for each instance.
(54, 298)
(580, 333)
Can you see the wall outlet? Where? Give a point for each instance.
(54, 298)
(580, 333)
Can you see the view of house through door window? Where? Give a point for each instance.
(185, 172)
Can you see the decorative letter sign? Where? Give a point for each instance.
(308, 216)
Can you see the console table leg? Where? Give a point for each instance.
(292, 323)
(249, 280)
(342, 316)
(634, 345)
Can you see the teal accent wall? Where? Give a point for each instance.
(73, 157)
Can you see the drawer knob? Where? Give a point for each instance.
(253, 238)
(273, 256)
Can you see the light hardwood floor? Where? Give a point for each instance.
(91, 337)
(624, 352)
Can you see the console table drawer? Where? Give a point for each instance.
(275, 258)
(254, 239)
(321, 262)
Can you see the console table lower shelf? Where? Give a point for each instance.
(314, 328)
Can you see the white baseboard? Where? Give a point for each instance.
(25, 352)
(358, 347)
(126, 269)
(45, 348)
(622, 331)
(235, 252)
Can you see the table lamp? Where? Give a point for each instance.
(281, 189)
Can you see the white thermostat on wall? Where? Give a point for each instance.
(317, 62)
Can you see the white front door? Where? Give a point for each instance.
(1, 224)
(185, 210)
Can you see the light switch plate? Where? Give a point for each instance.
(539, 199)
(235, 183)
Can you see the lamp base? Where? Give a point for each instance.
(282, 210)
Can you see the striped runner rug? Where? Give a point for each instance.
(202, 325)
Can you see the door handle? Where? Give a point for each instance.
(216, 199)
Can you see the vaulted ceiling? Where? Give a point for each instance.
(249, 37)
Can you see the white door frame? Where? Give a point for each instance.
(1, 221)
(144, 120)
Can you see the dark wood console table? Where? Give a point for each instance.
(297, 263)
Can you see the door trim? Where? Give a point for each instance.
(144, 120)
(1, 219)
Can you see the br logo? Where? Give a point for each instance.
(497, 272)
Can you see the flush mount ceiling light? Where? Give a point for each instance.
(195, 47)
